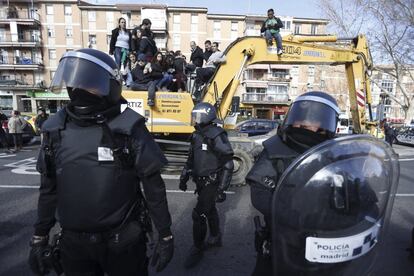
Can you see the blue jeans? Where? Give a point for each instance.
(277, 37)
(129, 79)
(118, 53)
(165, 81)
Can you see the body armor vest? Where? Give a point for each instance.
(206, 158)
(96, 185)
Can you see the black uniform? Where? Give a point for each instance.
(92, 161)
(105, 190)
(262, 178)
(210, 150)
(311, 120)
(210, 163)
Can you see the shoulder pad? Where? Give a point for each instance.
(55, 122)
(125, 122)
(212, 131)
(263, 172)
(275, 148)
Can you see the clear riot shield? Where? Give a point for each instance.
(331, 207)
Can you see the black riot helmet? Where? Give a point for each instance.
(203, 114)
(311, 119)
(88, 71)
(313, 109)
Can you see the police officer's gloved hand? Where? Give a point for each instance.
(163, 253)
(183, 186)
(221, 196)
(38, 246)
(184, 177)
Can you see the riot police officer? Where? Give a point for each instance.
(311, 120)
(210, 163)
(92, 161)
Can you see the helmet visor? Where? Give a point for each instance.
(79, 72)
(314, 115)
(196, 117)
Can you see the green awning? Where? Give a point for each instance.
(49, 95)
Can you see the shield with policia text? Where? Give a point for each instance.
(331, 207)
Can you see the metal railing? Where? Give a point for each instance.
(265, 97)
(20, 61)
(25, 38)
(7, 13)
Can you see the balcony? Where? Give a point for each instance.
(20, 63)
(24, 17)
(265, 98)
(21, 40)
(18, 84)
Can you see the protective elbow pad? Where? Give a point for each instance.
(226, 175)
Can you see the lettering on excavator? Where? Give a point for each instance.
(292, 50)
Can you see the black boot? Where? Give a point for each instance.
(194, 257)
(214, 239)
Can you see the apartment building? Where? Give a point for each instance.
(63, 25)
(21, 63)
(384, 80)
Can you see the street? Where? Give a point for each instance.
(19, 193)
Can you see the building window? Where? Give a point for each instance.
(176, 22)
(176, 41)
(69, 32)
(194, 23)
(234, 30)
(286, 25)
(217, 30)
(194, 18)
(387, 85)
(110, 17)
(297, 28)
(311, 71)
(50, 32)
(92, 41)
(68, 10)
(323, 84)
(314, 29)
(49, 9)
(294, 71)
(91, 16)
(52, 53)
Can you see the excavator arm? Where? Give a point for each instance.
(297, 50)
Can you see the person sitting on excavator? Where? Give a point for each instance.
(205, 73)
(271, 29)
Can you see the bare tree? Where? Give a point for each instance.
(389, 25)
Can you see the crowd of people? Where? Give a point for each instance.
(144, 67)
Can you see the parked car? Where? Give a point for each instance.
(405, 136)
(255, 127)
(28, 133)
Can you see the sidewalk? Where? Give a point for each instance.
(404, 151)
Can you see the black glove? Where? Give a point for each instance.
(163, 253)
(183, 186)
(184, 177)
(36, 256)
(221, 196)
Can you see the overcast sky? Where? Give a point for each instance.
(297, 8)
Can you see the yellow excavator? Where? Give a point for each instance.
(170, 119)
